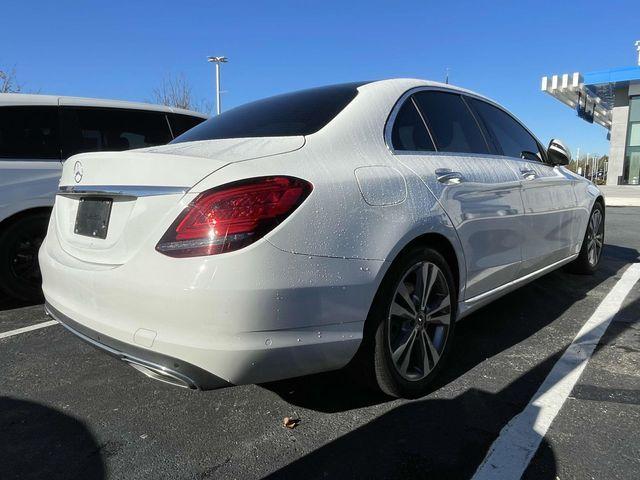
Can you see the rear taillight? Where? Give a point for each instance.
(233, 216)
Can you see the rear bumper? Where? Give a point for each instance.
(253, 316)
(153, 364)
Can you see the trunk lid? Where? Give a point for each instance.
(140, 191)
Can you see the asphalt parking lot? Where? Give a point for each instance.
(68, 411)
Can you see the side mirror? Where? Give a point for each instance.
(557, 153)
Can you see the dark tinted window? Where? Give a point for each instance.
(409, 132)
(297, 113)
(451, 123)
(29, 132)
(507, 135)
(182, 123)
(96, 129)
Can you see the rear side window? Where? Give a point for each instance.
(182, 123)
(298, 113)
(409, 131)
(451, 123)
(97, 129)
(507, 135)
(29, 133)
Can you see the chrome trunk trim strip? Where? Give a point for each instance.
(120, 190)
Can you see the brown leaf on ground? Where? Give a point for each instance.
(290, 422)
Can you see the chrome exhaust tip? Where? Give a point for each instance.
(161, 374)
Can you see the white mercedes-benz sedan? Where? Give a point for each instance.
(348, 224)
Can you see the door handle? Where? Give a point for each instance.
(528, 174)
(446, 176)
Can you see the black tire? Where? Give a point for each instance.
(386, 331)
(19, 244)
(585, 264)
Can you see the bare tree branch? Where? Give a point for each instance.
(9, 82)
(176, 92)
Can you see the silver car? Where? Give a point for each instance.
(350, 224)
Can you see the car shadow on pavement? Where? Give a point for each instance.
(485, 333)
(40, 442)
(436, 438)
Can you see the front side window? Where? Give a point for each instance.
(29, 133)
(409, 132)
(505, 133)
(451, 123)
(104, 129)
(298, 113)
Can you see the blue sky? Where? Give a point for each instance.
(123, 49)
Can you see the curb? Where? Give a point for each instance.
(621, 202)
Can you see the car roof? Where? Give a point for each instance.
(398, 86)
(405, 84)
(26, 99)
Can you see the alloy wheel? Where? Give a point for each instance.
(419, 321)
(595, 237)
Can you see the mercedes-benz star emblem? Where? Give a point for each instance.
(77, 172)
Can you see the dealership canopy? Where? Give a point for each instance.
(592, 95)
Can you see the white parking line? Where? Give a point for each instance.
(518, 441)
(37, 326)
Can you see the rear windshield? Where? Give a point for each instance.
(297, 113)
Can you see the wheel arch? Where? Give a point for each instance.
(442, 245)
(439, 242)
(599, 199)
(6, 222)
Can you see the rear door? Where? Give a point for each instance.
(436, 135)
(93, 129)
(548, 193)
(29, 157)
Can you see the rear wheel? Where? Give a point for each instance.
(414, 319)
(591, 251)
(19, 244)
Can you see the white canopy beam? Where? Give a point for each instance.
(569, 89)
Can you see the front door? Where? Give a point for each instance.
(548, 196)
(551, 214)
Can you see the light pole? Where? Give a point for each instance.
(586, 162)
(217, 61)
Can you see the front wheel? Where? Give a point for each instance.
(414, 316)
(592, 244)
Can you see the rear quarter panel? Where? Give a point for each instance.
(337, 220)
(27, 184)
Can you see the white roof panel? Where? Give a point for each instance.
(16, 99)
